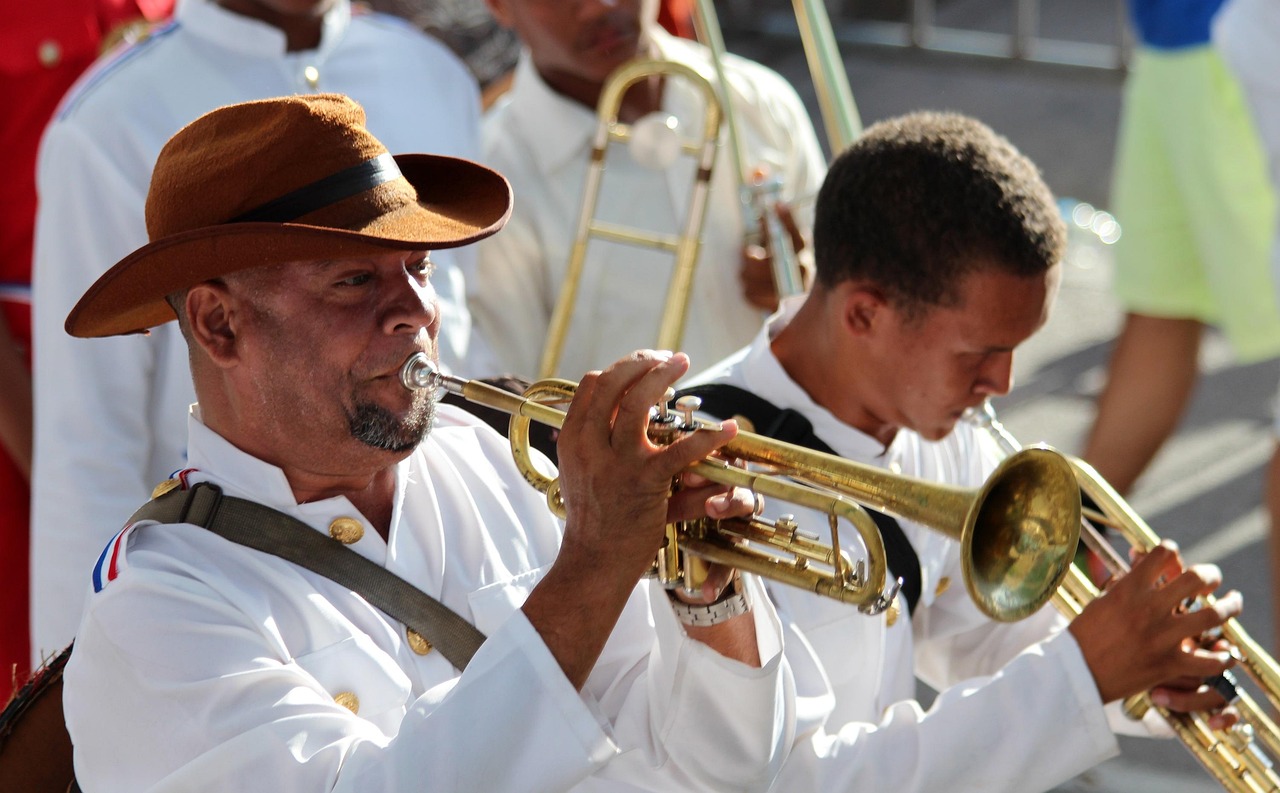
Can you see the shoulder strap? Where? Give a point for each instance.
(786, 424)
(265, 529)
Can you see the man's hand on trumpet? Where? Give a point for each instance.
(1139, 635)
(617, 488)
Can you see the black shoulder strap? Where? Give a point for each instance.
(786, 424)
(264, 529)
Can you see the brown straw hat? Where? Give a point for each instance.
(280, 180)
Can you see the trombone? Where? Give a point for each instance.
(1232, 757)
(758, 191)
(1018, 532)
(684, 246)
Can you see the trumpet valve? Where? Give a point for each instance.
(686, 406)
(882, 602)
(859, 574)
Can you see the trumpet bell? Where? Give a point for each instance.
(1020, 537)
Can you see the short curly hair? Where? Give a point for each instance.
(919, 201)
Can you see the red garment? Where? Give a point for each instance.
(677, 17)
(44, 46)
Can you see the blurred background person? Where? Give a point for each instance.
(43, 48)
(1247, 33)
(115, 409)
(488, 49)
(1191, 192)
(539, 136)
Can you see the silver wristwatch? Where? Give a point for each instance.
(733, 602)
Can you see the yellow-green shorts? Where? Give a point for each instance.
(1194, 201)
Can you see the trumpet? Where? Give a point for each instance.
(1018, 532)
(1233, 757)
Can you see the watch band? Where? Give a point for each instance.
(733, 602)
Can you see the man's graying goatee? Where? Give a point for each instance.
(378, 427)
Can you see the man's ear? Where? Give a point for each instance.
(211, 315)
(862, 306)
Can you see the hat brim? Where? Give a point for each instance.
(459, 202)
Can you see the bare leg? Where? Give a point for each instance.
(1271, 497)
(1152, 372)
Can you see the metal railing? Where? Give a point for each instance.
(917, 26)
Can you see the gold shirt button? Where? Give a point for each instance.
(417, 642)
(312, 75)
(49, 53)
(165, 487)
(348, 700)
(891, 614)
(895, 467)
(944, 584)
(346, 530)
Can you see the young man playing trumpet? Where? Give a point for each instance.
(937, 249)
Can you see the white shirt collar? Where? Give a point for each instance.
(245, 476)
(208, 20)
(564, 128)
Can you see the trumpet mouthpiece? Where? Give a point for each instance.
(419, 373)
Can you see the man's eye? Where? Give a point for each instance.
(355, 280)
(423, 267)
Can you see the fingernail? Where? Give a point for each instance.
(662, 355)
(1160, 698)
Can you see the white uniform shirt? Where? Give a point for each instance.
(1020, 692)
(205, 665)
(112, 411)
(541, 141)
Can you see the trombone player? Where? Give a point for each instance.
(937, 251)
(539, 136)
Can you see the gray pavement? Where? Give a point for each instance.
(1205, 487)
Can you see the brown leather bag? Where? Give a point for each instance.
(35, 749)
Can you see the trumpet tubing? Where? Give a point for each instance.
(1232, 757)
(1018, 532)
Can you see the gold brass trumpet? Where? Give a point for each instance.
(1232, 757)
(1018, 532)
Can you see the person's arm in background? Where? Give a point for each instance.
(509, 297)
(796, 160)
(93, 433)
(15, 402)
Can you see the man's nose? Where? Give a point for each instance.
(996, 377)
(411, 307)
